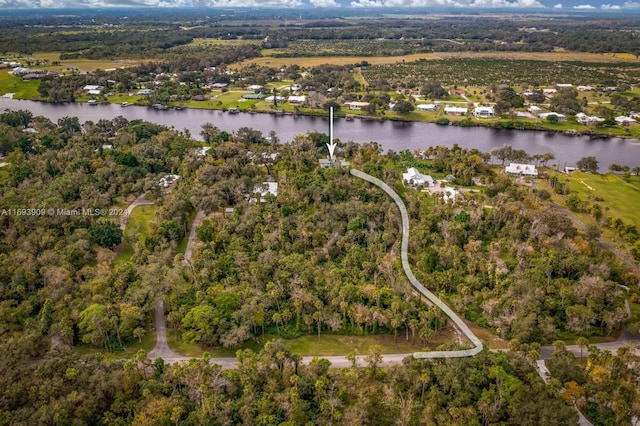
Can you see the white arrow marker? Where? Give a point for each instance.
(331, 145)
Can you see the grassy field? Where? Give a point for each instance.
(139, 224)
(82, 64)
(620, 195)
(21, 89)
(620, 199)
(327, 345)
(268, 58)
(335, 60)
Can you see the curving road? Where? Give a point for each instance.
(140, 201)
(162, 350)
(417, 285)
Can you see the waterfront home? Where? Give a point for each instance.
(144, 92)
(219, 85)
(455, 110)
(297, 99)
(484, 111)
(253, 96)
(545, 115)
(355, 105)
(92, 88)
(414, 178)
(518, 169)
(624, 120)
(535, 110)
(276, 98)
(583, 118)
(427, 107)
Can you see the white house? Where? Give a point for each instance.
(264, 189)
(521, 169)
(355, 105)
(277, 98)
(201, 152)
(584, 88)
(549, 92)
(484, 111)
(92, 87)
(564, 86)
(583, 118)
(455, 110)
(415, 178)
(167, 180)
(427, 107)
(254, 87)
(449, 194)
(535, 110)
(624, 120)
(560, 117)
(297, 99)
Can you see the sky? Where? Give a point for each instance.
(549, 5)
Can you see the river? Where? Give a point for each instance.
(390, 135)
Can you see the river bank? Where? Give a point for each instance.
(569, 127)
(389, 134)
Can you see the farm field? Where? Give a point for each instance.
(82, 64)
(271, 61)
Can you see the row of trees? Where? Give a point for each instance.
(273, 387)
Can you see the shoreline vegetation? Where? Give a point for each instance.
(567, 127)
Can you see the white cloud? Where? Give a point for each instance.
(610, 7)
(583, 7)
(558, 6)
(458, 3)
(324, 3)
(631, 5)
(367, 3)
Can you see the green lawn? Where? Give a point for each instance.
(21, 89)
(327, 345)
(139, 224)
(620, 195)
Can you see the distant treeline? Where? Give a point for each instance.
(140, 39)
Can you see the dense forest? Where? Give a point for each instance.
(320, 257)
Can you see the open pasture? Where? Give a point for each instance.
(335, 60)
(82, 64)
